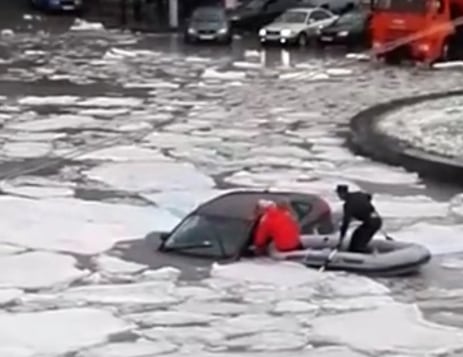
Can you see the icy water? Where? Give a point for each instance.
(107, 136)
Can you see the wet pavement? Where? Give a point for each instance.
(107, 136)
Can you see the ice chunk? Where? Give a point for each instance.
(82, 25)
(213, 307)
(338, 71)
(9, 295)
(111, 102)
(149, 294)
(6, 249)
(140, 348)
(269, 341)
(409, 206)
(16, 352)
(126, 153)
(171, 318)
(68, 224)
(162, 274)
(247, 65)
(401, 330)
(66, 330)
(187, 335)
(26, 150)
(37, 270)
(59, 100)
(151, 176)
(453, 263)
(354, 303)
(104, 112)
(7, 33)
(294, 307)
(57, 122)
(113, 265)
(36, 191)
(358, 56)
(211, 73)
(439, 239)
(35, 136)
(448, 64)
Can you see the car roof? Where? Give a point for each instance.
(241, 204)
(302, 9)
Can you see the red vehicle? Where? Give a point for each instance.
(422, 30)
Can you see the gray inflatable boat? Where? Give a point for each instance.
(387, 257)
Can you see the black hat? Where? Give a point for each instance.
(342, 188)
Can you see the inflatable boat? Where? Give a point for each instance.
(386, 257)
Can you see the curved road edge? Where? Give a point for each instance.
(365, 139)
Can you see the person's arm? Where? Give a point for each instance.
(262, 233)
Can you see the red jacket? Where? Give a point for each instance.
(277, 225)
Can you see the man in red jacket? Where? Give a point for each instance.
(278, 225)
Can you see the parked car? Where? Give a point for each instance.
(296, 26)
(338, 7)
(208, 23)
(58, 5)
(255, 14)
(350, 29)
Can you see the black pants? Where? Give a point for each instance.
(363, 235)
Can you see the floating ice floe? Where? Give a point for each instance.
(24, 150)
(171, 318)
(66, 224)
(111, 102)
(409, 206)
(358, 56)
(76, 328)
(213, 307)
(126, 153)
(338, 71)
(270, 341)
(38, 270)
(113, 265)
(448, 64)
(9, 295)
(185, 335)
(145, 177)
(139, 348)
(82, 25)
(35, 191)
(28, 137)
(211, 73)
(60, 100)
(452, 263)
(6, 249)
(247, 65)
(7, 33)
(57, 122)
(104, 112)
(439, 239)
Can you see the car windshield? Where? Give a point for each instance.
(209, 236)
(415, 6)
(350, 18)
(208, 15)
(293, 17)
(254, 5)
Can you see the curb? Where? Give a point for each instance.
(366, 140)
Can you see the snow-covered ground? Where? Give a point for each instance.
(111, 136)
(434, 126)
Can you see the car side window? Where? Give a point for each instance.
(277, 5)
(301, 208)
(318, 15)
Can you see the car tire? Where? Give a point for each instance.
(302, 40)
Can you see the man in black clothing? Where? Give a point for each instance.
(358, 205)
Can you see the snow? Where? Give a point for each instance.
(140, 348)
(26, 150)
(150, 176)
(67, 224)
(400, 329)
(439, 239)
(66, 330)
(36, 270)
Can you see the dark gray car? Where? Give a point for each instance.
(208, 23)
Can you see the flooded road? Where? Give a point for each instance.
(107, 136)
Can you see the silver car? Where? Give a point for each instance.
(296, 26)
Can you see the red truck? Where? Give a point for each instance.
(423, 30)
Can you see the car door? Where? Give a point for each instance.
(318, 19)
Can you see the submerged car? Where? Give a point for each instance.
(222, 229)
(58, 5)
(351, 29)
(296, 26)
(208, 23)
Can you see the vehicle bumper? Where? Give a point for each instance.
(210, 37)
(334, 39)
(277, 40)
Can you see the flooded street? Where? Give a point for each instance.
(108, 135)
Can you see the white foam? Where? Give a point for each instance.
(9, 295)
(114, 265)
(126, 153)
(154, 294)
(418, 206)
(140, 348)
(111, 102)
(57, 122)
(439, 239)
(66, 330)
(85, 227)
(171, 318)
(60, 100)
(400, 329)
(26, 150)
(82, 25)
(37, 270)
(151, 176)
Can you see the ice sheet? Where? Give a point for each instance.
(37, 270)
(439, 239)
(67, 224)
(151, 176)
(66, 330)
(126, 153)
(26, 150)
(171, 318)
(140, 348)
(400, 329)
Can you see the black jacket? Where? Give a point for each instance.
(358, 206)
